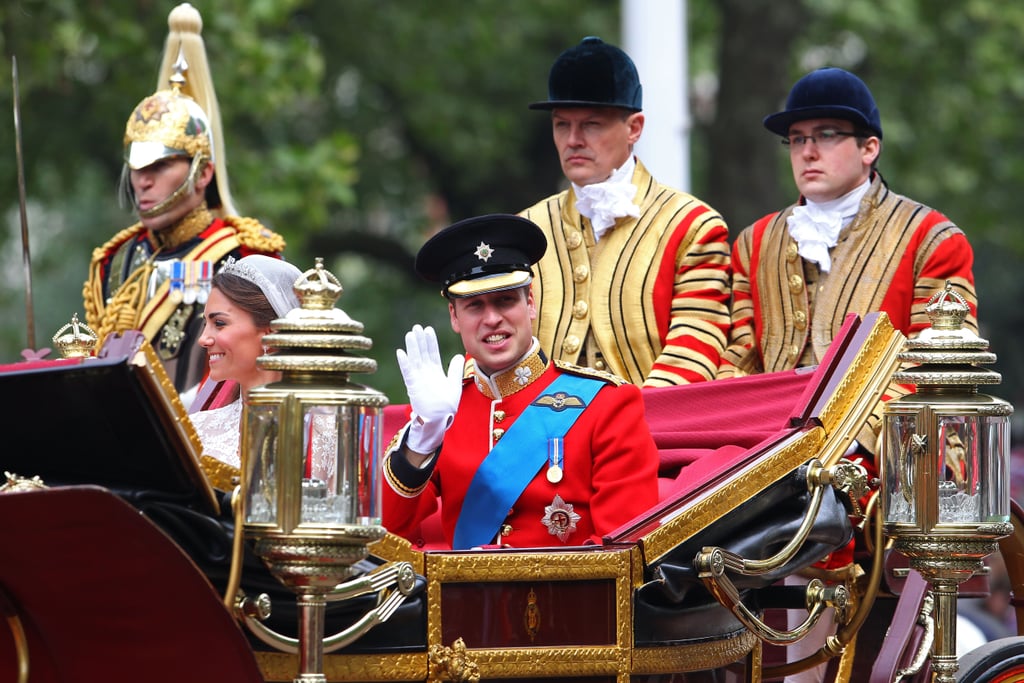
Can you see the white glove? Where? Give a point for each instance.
(433, 395)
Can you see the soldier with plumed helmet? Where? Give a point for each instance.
(154, 276)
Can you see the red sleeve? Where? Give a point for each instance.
(691, 300)
(939, 253)
(625, 459)
(742, 335)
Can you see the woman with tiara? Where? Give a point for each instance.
(245, 296)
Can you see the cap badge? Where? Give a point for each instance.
(484, 252)
(560, 519)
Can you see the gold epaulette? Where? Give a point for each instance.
(100, 253)
(253, 234)
(589, 372)
(92, 290)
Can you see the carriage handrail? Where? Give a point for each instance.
(714, 563)
(399, 574)
(924, 618)
(836, 644)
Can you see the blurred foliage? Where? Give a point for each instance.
(358, 128)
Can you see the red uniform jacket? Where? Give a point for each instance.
(609, 470)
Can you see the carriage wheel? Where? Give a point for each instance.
(1000, 661)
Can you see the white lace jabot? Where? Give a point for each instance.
(815, 225)
(605, 202)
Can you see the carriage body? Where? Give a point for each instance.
(630, 609)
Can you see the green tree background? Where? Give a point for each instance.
(357, 128)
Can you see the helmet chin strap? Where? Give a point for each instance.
(186, 188)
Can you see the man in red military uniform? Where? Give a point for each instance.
(635, 280)
(154, 276)
(520, 450)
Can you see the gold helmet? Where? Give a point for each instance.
(167, 124)
(184, 51)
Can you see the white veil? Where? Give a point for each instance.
(275, 277)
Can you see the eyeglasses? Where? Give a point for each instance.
(826, 137)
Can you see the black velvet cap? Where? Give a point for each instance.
(482, 254)
(593, 74)
(829, 93)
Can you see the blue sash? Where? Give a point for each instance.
(515, 460)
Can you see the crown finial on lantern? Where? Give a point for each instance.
(947, 309)
(78, 343)
(318, 289)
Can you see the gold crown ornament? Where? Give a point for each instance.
(318, 289)
(75, 339)
(947, 309)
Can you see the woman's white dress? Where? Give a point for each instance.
(219, 433)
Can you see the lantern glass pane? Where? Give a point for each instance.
(259, 460)
(996, 446)
(973, 482)
(959, 466)
(902, 450)
(340, 480)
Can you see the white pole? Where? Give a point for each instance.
(654, 35)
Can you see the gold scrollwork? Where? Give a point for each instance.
(452, 663)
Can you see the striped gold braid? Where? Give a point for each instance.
(124, 309)
(97, 312)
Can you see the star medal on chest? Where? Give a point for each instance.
(560, 519)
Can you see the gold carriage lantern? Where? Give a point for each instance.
(945, 468)
(311, 489)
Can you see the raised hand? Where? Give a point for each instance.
(433, 393)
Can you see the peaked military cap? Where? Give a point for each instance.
(489, 253)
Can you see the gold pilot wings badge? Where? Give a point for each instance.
(559, 401)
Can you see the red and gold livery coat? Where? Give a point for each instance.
(649, 302)
(893, 256)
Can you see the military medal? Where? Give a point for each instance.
(191, 288)
(554, 460)
(177, 284)
(560, 519)
(205, 268)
